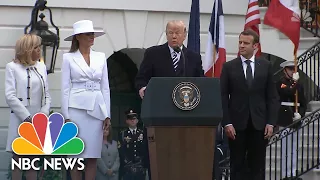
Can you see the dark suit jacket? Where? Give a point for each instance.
(238, 100)
(157, 62)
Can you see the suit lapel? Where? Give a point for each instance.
(41, 73)
(257, 71)
(95, 61)
(185, 50)
(80, 61)
(168, 58)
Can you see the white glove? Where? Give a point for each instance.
(296, 116)
(295, 76)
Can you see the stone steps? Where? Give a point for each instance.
(310, 145)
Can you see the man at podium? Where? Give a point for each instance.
(250, 104)
(171, 59)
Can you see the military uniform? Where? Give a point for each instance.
(133, 153)
(287, 88)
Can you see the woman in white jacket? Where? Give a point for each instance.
(26, 90)
(85, 94)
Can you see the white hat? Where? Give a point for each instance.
(84, 26)
(287, 64)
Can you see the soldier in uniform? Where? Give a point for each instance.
(133, 149)
(287, 87)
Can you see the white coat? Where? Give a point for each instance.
(77, 76)
(109, 160)
(27, 93)
(17, 93)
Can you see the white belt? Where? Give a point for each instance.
(88, 85)
(289, 104)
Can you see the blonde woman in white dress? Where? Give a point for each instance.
(26, 91)
(85, 94)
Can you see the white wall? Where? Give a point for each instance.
(129, 28)
(127, 23)
(230, 6)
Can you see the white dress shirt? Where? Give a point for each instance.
(133, 130)
(172, 51)
(244, 65)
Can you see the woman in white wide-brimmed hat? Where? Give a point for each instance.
(85, 94)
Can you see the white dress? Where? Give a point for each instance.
(90, 131)
(86, 98)
(35, 76)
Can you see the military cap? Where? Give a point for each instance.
(287, 64)
(131, 114)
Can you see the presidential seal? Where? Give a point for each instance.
(186, 96)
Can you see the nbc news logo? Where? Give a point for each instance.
(47, 136)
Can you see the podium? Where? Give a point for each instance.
(181, 115)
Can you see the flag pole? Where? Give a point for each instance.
(214, 59)
(295, 70)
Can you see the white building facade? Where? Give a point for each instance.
(128, 24)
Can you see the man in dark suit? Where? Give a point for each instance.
(166, 60)
(249, 102)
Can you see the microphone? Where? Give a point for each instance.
(178, 49)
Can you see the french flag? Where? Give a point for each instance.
(215, 54)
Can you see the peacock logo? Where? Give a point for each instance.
(48, 136)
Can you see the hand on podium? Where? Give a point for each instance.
(141, 92)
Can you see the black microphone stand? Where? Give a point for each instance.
(178, 49)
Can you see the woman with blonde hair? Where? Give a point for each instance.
(85, 94)
(26, 90)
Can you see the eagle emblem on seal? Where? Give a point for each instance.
(186, 93)
(186, 96)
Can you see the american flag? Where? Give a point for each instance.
(253, 20)
(215, 52)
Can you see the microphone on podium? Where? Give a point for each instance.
(178, 49)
